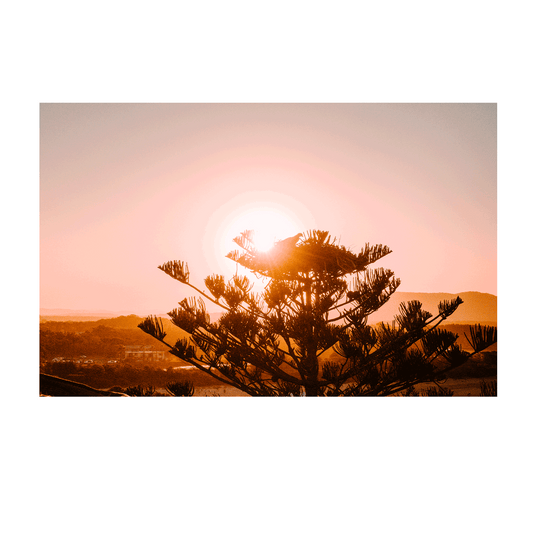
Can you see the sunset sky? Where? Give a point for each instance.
(127, 187)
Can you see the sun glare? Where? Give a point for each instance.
(269, 225)
(271, 216)
(264, 240)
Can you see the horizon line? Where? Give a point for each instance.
(51, 311)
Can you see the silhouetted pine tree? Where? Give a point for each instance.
(316, 304)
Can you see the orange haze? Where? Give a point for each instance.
(126, 187)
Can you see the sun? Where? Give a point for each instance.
(271, 216)
(268, 223)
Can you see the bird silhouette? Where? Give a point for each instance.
(287, 244)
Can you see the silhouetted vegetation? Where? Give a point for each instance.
(482, 366)
(129, 322)
(139, 390)
(429, 391)
(180, 388)
(101, 342)
(120, 376)
(489, 389)
(307, 332)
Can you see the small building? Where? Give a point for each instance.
(144, 353)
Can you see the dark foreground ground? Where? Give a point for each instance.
(55, 386)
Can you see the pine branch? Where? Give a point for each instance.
(447, 308)
(154, 327)
(177, 270)
(481, 337)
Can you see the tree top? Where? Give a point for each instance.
(316, 254)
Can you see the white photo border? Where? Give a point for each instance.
(30, 96)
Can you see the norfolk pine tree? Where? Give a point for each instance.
(316, 304)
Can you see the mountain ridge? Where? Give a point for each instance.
(478, 307)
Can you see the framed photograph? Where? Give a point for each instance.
(323, 249)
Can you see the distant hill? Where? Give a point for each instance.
(73, 318)
(72, 323)
(72, 315)
(478, 307)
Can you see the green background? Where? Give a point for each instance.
(262, 474)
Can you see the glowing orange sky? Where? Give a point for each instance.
(126, 187)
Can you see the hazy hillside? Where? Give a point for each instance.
(478, 307)
(73, 324)
(125, 327)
